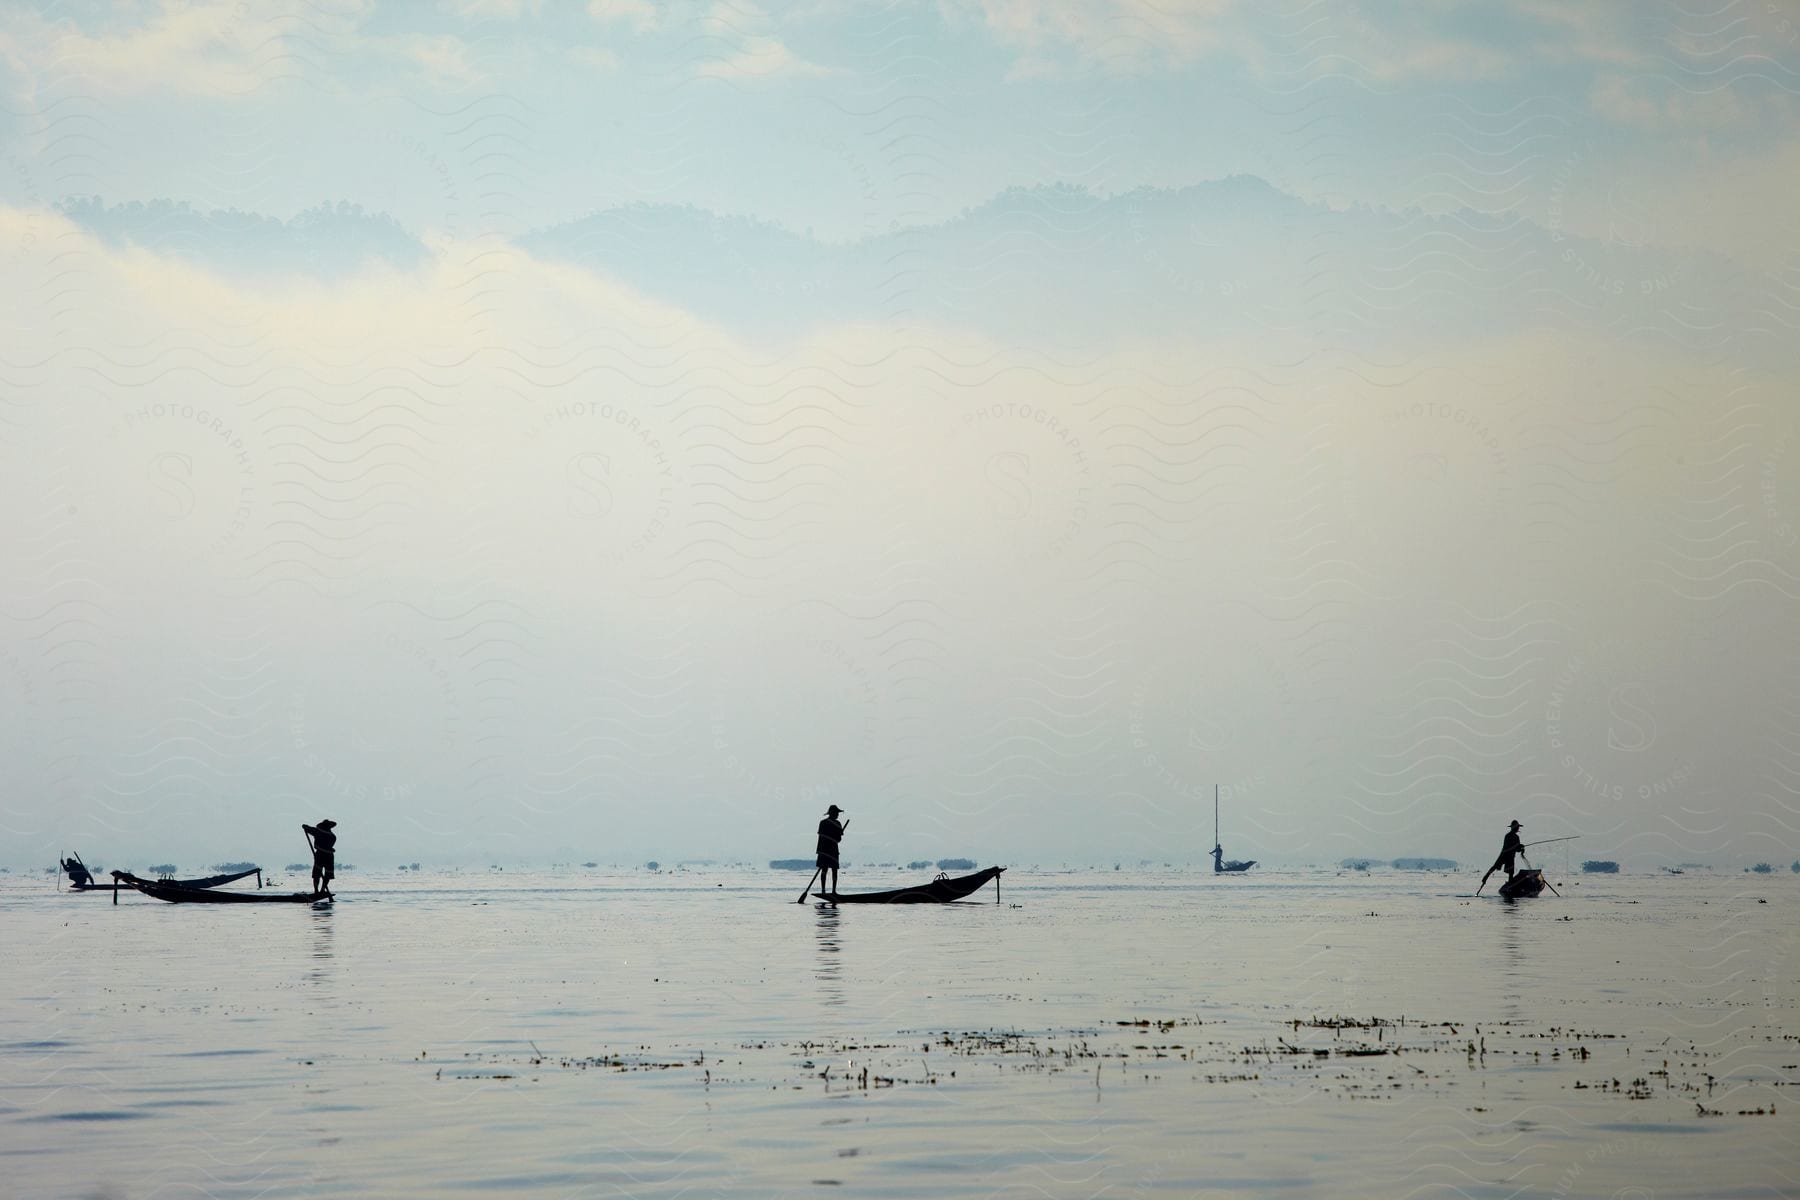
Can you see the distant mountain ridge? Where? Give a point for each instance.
(1229, 259)
(330, 241)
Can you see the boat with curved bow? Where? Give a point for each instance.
(176, 893)
(942, 890)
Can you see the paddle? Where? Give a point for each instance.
(807, 890)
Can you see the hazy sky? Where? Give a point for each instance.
(553, 431)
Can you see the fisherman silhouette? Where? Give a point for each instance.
(324, 844)
(830, 834)
(1510, 847)
(78, 872)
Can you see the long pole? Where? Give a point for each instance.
(1545, 842)
(1215, 814)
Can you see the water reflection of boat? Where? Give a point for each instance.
(941, 890)
(1220, 866)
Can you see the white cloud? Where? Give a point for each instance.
(1660, 106)
(753, 49)
(443, 59)
(1138, 36)
(204, 48)
(760, 58)
(1124, 35)
(642, 15)
(497, 10)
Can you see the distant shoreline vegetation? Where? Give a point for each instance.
(1600, 866)
(1424, 864)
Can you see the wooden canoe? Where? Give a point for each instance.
(941, 890)
(175, 893)
(210, 881)
(1523, 885)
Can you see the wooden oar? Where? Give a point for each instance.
(807, 890)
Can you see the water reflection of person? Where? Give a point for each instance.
(323, 954)
(830, 973)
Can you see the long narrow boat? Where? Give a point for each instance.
(174, 893)
(941, 890)
(210, 881)
(1523, 885)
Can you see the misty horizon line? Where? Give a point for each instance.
(1384, 862)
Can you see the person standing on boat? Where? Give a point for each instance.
(1510, 847)
(831, 832)
(324, 844)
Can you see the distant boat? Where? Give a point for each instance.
(1220, 866)
(941, 890)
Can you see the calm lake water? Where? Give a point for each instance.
(698, 1034)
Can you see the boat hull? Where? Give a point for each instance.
(938, 891)
(1523, 886)
(176, 894)
(209, 881)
